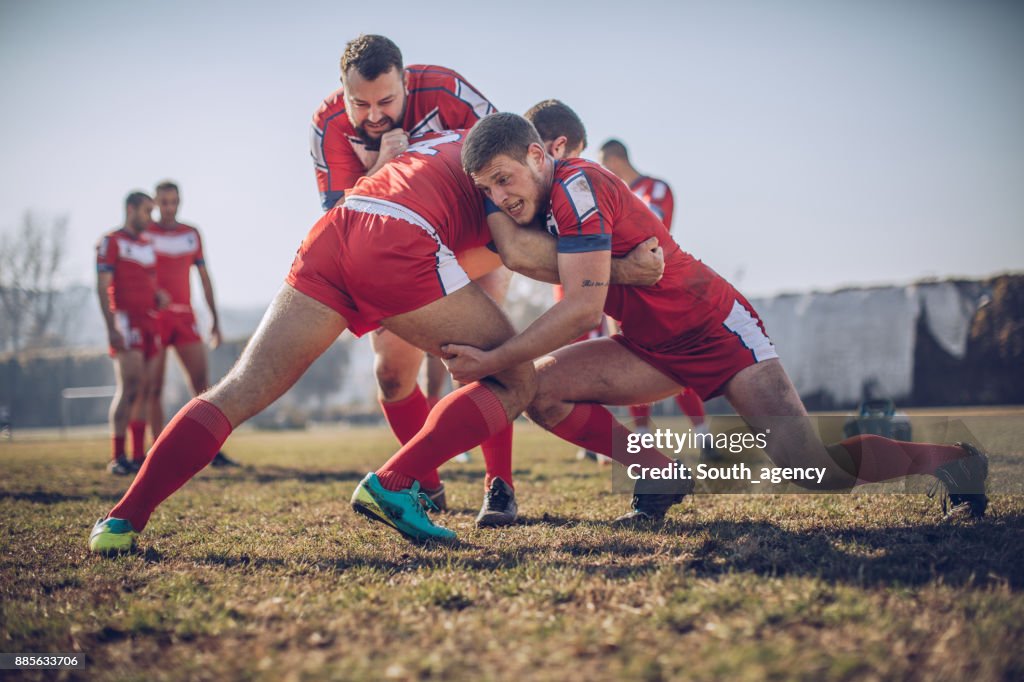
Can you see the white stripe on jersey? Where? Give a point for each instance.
(180, 244)
(471, 97)
(431, 123)
(143, 254)
(581, 196)
(316, 147)
(452, 276)
(741, 323)
(658, 191)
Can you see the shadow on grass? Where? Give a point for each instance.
(272, 474)
(981, 552)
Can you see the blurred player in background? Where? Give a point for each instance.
(657, 196)
(178, 248)
(127, 288)
(359, 128)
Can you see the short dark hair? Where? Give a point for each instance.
(615, 148)
(501, 133)
(370, 56)
(136, 198)
(167, 186)
(553, 119)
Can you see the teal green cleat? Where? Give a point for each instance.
(112, 536)
(403, 510)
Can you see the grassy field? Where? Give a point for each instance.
(266, 573)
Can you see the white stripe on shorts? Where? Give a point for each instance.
(449, 272)
(741, 323)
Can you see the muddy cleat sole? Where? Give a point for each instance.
(499, 507)
(401, 509)
(120, 467)
(438, 497)
(964, 482)
(651, 501)
(112, 536)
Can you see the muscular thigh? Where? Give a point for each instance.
(395, 351)
(294, 331)
(602, 371)
(467, 316)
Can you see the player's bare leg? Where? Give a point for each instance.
(396, 365)
(192, 357)
(295, 330)
(595, 371)
(462, 419)
(154, 395)
(497, 451)
(574, 383)
(129, 374)
(437, 376)
(767, 400)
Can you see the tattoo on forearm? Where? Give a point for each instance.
(592, 283)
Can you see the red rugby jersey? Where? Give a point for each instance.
(428, 180)
(658, 197)
(438, 99)
(591, 210)
(178, 247)
(132, 261)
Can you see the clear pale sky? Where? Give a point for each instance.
(810, 144)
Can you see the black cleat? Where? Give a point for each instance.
(222, 460)
(499, 508)
(136, 464)
(120, 467)
(437, 496)
(964, 481)
(649, 508)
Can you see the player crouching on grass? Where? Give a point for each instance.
(690, 329)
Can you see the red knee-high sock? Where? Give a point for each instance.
(882, 459)
(117, 447)
(593, 427)
(462, 419)
(641, 414)
(692, 406)
(406, 417)
(498, 456)
(138, 431)
(185, 446)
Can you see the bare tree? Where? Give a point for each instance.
(30, 260)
